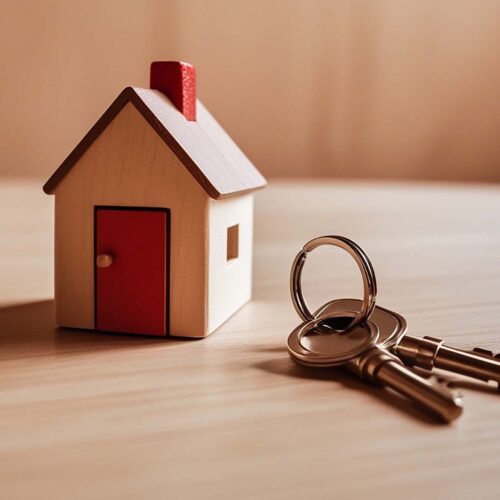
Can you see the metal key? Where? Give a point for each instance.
(359, 350)
(425, 352)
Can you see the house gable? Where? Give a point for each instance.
(202, 146)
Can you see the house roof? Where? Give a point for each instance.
(202, 146)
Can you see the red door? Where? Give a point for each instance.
(131, 248)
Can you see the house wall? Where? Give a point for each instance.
(129, 165)
(229, 282)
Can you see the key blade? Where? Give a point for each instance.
(380, 367)
(429, 353)
(439, 401)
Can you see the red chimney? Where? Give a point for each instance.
(177, 80)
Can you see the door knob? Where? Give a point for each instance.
(104, 260)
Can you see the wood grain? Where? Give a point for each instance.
(95, 416)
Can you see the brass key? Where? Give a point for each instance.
(358, 349)
(426, 352)
(430, 352)
(350, 344)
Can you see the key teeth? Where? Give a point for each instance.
(486, 353)
(449, 384)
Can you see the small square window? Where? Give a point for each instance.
(232, 242)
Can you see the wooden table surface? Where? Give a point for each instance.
(85, 415)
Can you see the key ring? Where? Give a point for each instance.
(364, 264)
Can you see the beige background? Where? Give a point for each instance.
(399, 89)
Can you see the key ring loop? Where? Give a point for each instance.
(364, 264)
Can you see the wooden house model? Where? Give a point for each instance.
(153, 216)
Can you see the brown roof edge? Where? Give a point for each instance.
(129, 95)
(88, 139)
